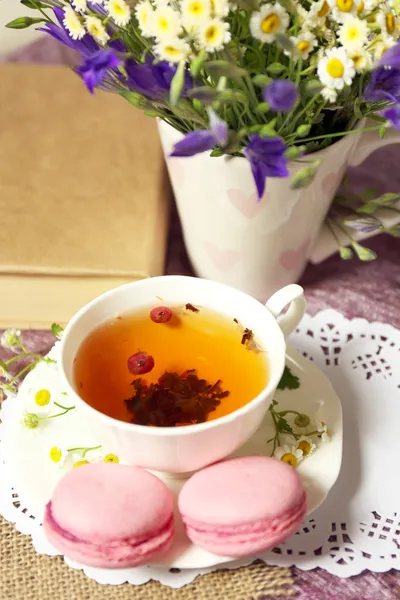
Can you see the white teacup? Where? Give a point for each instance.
(189, 448)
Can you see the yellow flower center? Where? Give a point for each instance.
(212, 4)
(357, 60)
(352, 32)
(171, 51)
(345, 5)
(211, 33)
(390, 23)
(289, 459)
(371, 19)
(111, 458)
(94, 30)
(42, 397)
(119, 9)
(270, 24)
(335, 68)
(303, 46)
(196, 8)
(323, 11)
(360, 7)
(304, 446)
(80, 463)
(163, 24)
(55, 454)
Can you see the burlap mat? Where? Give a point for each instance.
(26, 575)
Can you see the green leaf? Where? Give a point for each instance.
(255, 128)
(283, 426)
(197, 63)
(288, 380)
(262, 108)
(345, 253)
(216, 152)
(177, 84)
(56, 330)
(204, 93)
(368, 208)
(24, 22)
(223, 68)
(261, 80)
(305, 176)
(394, 231)
(34, 4)
(363, 253)
(268, 130)
(356, 106)
(233, 96)
(276, 68)
(382, 131)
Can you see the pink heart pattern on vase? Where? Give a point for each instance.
(224, 260)
(249, 206)
(291, 259)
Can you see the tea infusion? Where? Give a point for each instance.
(170, 366)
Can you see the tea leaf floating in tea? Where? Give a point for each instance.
(174, 400)
(247, 336)
(140, 363)
(192, 308)
(161, 314)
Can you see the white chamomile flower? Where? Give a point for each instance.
(195, 12)
(289, 455)
(144, 13)
(362, 60)
(381, 46)
(111, 458)
(323, 430)
(388, 23)
(79, 5)
(58, 456)
(304, 44)
(219, 8)
(10, 339)
(173, 51)
(73, 24)
(214, 35)
(306, 445)
(97, 30)
(316, 16)
(42, 402)
(341, 9)
(268, 21)
(30, 422)
(329, 94)
(166, 23)
(336, 69)
(353, 34)
(119, 11)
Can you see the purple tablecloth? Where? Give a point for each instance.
(369, 290)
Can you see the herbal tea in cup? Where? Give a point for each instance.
(169, 366)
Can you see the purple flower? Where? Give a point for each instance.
(152, 80)
(391, 58)
(392, 114)
(281, 95)
(85, 46)
(205, 139)
(95, 68)
(267, 159)
(384, 84)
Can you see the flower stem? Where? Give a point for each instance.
(340, 134)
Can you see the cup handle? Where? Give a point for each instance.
(292, 295)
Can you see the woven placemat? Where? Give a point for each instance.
(26, 575)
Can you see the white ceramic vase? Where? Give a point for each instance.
(257, 247)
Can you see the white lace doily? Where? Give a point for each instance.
(358, 526)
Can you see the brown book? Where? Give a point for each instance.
(84, 195)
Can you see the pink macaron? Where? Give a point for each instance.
(242, 506)
(110, 515)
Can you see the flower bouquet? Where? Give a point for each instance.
(271, 82)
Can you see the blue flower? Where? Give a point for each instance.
(384, 84)
(204, 139)
(392, 114)
(267, 159)
(152, 80)
(85, 46)
(96, 67)
(391, 57)
(281, 95)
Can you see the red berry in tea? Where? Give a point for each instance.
(140, 363)
(161, 314)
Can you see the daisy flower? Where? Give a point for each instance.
(195, 12)
(97, 30)
(304, 44)
(341, 9)
(306, 445)
(31, 422)
(336, 69)
(214, 35)
(173, 51)
(317, 14)
(381, 46)
(111, 458)
(388, 23)
(323, 430)
(166, 23)
(329, 94)
(268, 21)
(79, 5)
(362, 60)
(289, 455)
(73, 24)
(219, 8)
(42, 402)
(10, 340)
(58, 456)
(144, 13)
(353, 34)
(119, 11)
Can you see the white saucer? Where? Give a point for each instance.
(34, 476)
